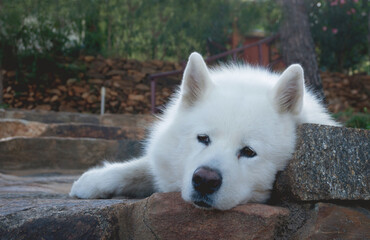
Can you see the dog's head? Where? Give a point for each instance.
(233, 129)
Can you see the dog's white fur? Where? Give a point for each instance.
(236, 106)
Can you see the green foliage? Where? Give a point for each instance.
(171, 29)
(130, 28)
(36, 36)
(3, 106)
(257, 15)
(339, 29)
(354, 120)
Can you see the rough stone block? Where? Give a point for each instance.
(330, 221)
(60, 219)
(167, 216)
(330, 163)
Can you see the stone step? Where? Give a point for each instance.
(127, 120)
(23, 128)
(37, 185)
(63, 153)
(329, 162)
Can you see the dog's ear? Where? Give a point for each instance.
(289, 90)
(196, 79)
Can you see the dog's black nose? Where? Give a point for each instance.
(206, 180)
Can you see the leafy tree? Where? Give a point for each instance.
(36, 34)
(133, 28)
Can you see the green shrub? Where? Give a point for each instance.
(33, 39)
(339, 29)
(35, 35)
(354, 120)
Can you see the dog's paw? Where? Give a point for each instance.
(89, 185)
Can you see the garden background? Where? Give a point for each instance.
(56, 55)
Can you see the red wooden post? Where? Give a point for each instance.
(260, 58)
(152, 96)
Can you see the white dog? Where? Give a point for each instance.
(221, 140)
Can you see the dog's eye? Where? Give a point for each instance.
(247, 152)
(203, 138)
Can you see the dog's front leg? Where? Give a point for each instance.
(132, 178)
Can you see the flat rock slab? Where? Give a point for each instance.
(36, 208)
(51, 184)
(39, 207)
(330, 163)
(63, 153)
(23, 128)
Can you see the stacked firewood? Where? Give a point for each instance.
(126, 82)
(127, 87)
(345, 92)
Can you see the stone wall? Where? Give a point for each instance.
(323, 193)
(326, 185)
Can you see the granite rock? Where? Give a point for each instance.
(330, 163)
(61, 219)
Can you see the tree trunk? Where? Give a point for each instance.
(368, 33)
(1, 86)
(297, 45)
(1, 71)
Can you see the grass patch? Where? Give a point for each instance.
(4, 106)
(354, 119)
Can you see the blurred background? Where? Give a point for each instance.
(57, 55)
(81, 79)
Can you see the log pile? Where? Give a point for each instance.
(345, 92)
(128, 88)
(126, 82)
